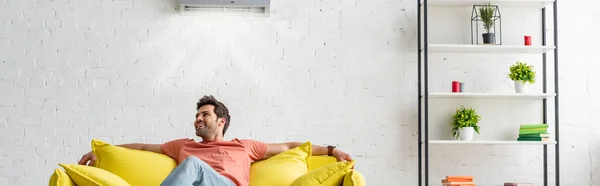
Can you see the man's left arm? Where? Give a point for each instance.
(317, 150)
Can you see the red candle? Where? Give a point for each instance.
(527, 40)
(455, 86)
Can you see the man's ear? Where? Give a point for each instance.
(222, 121)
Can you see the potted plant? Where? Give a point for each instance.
(465, 122)
(487, 16)
(522, 75)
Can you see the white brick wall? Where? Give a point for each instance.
(335, 72)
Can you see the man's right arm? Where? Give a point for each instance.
(90, 159)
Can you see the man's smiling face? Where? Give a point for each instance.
(206, 123)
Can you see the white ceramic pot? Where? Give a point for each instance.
(521, 87)
(466, 133)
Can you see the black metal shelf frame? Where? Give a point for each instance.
(423, 95)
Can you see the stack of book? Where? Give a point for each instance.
(533, 132)
(458, 181)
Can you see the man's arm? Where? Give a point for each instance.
(90, 158)
(317, 150)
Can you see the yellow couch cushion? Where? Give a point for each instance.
(281, 169)
(92, 176)
(315, 162)
(328, 175)
(60, 178)
(354, 178)
(137, 167)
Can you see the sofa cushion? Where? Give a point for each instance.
(92, 176)
(354, 178)
(137, 167)
(315, 162)
(281, 169)
(328, 175)
(60, 178)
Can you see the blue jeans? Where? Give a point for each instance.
(193, 171)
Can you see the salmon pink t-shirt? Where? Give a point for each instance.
(231, 159)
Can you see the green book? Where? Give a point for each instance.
(538, 135)
(532, 139)
(533, 126)
(533, 131)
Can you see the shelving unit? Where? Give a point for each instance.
(503, 49)
(426, 48)
(491, 95)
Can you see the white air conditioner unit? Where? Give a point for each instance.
(260, 7)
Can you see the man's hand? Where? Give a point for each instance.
(88, 159)
(317, 150)
(341, 156)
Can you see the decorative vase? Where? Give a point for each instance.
(489, 38)
(521, 87)
(466, 133)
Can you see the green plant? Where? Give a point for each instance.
(465, 117)
(522, 72)
(487, 16)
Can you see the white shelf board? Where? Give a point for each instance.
(501, 3)
(486, 142)
(468, 48)
(491, 95)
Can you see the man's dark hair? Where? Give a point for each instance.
(220, 109)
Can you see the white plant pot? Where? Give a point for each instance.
(521, 87)
(466, 133)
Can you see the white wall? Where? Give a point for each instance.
(332, 72)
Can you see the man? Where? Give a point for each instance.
(214, 161)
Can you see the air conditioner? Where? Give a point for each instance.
(260, 7)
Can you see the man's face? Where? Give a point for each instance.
(206, 122)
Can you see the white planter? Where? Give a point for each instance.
(521, 87)
(466, 133)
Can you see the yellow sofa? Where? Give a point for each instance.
(118, 166)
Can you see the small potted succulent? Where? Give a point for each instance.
(522, 74)
(465, 123)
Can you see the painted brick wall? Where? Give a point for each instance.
(332, 72)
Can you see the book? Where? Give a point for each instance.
(537, 135)
(533, 139)
(533, 131)
(458, 181)
(518, 184)
(534, 126)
